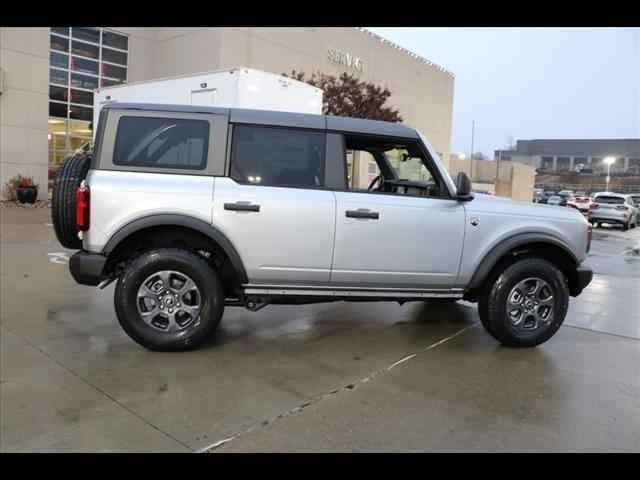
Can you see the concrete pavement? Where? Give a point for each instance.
(331, 377)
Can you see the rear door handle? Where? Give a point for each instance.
(242, 207)
(362, 213)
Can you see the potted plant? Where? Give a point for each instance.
(27, 190)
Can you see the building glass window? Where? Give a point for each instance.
(85, 49)
(89, 34)
(82, 59)
(546, 163)
(82, 97)
(60, 31)
(59, 60)
(83, 65)
(562, 163)
(59, 43)
(58, 76)
(115, 40)
(114, 56)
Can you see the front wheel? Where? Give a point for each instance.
(169, 299)
(526, 303)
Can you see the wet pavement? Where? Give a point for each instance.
(331, 377)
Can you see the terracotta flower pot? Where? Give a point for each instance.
(27, 194)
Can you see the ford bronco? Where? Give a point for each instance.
(192, 209)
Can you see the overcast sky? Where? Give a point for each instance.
(534, 82)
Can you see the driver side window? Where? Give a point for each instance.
(380, 165)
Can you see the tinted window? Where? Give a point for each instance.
(114, 56)
(90, 34)
(85, 49)
(162, 143)
(610, 200)
(114, 40)
(278, 156)
(119, 73)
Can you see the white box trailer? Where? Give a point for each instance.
(238, 87)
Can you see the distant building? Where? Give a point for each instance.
(576, 155)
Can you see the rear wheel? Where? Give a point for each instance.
(63, 202)
(625, 226)
(169, 299)
(524, 304)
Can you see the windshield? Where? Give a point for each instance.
(407, 167)
(438, 163)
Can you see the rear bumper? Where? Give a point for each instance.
(609, 218)
(87, 268)
(582, 278)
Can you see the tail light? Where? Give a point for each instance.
(622, 207)
(82, 208)
(593, 206)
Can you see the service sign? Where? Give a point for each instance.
(344, 58)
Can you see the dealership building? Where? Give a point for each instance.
(576, 155)
(48, 76)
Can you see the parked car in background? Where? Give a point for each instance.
(555, 200)
(546, 195)
(582, 193)
(636, 199)
(538, 194)
(582, 203)
(566, 195)
(616, 208)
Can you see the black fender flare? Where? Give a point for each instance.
(174, 220)
(499, 250)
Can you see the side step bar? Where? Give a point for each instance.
(324, 292)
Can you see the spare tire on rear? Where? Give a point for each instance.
(63, 202)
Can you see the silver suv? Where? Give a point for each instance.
(194, 209)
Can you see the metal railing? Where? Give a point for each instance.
(591, 188)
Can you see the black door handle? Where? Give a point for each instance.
(361, 213)
(242, 207)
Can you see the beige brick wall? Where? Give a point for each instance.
(24, 104)
(514, 180)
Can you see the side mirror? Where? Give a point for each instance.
(463, 187)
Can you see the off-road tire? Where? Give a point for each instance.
(175, 259)
(494, 297)
(63, 202)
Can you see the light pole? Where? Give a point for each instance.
(473, 124)
(608, 161)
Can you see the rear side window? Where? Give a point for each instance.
(161, 143)
(278, 156)
(610, 200)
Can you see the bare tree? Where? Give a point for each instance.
(348, 96)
